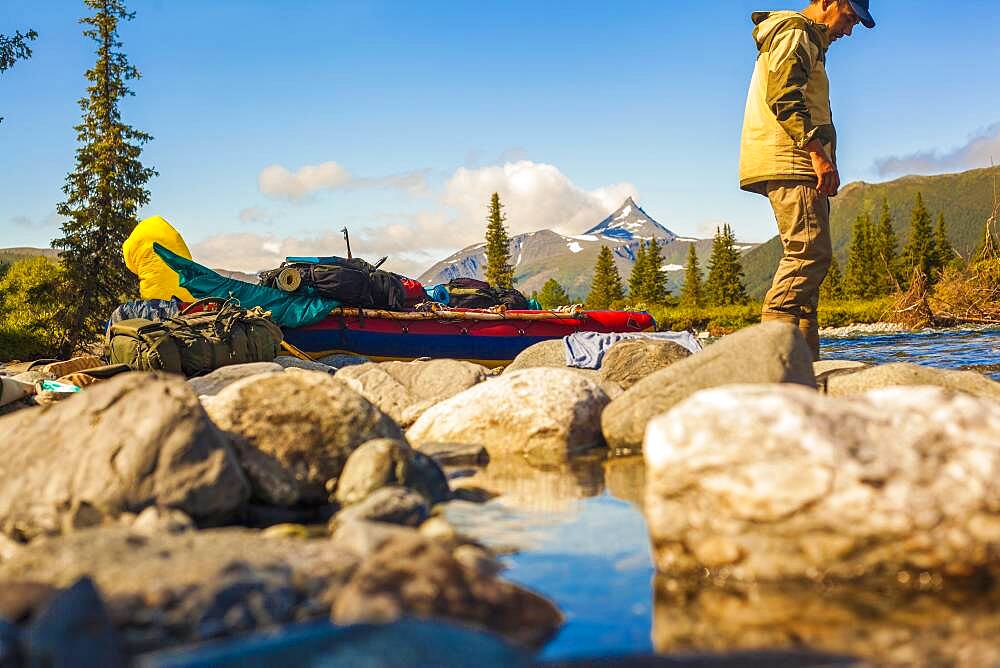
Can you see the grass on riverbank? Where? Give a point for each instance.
(725, 319)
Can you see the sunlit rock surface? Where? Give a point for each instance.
(779, 482)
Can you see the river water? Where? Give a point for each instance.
(576, 533)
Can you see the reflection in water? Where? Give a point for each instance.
(625, 478)
(541, 488)
(912, 629)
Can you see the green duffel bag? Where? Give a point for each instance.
(195, 343)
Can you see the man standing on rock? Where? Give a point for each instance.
(789, 144)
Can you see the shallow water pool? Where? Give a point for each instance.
(576, 533)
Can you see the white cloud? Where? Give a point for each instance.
(535, 196)
(250, 252)
(280, 182)
(981, 150)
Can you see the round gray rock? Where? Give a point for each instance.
(545, 414)
(294, 431)
(890, 375)
(386, 462)
(393, 505)
(212, 383)
(133, 441)
(772, 352)
(629, 361)
(404, 390)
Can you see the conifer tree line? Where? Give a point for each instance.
(606, 286)
(499, 272)
(692, 294)
(725, 284)
(647, 284)
(552, 295)
(875, 265)
(105, 189)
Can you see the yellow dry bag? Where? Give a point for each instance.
(156, 279)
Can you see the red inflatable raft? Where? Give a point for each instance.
(491, 338)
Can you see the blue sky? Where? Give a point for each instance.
(276, 123)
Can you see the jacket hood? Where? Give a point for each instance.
(767, 23)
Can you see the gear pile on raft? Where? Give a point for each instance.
(192, 319)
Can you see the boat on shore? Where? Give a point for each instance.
(489, 337)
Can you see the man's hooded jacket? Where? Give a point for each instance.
(789, 101)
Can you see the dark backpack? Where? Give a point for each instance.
(513, 300)
(473, 293)
(195, 343)
(470, 293)
(351, 281)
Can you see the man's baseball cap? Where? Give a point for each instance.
(860, 8)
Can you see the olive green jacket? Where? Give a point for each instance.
(789, 101)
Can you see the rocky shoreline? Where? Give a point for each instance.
(156, 512)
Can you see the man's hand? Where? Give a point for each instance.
(827, 176)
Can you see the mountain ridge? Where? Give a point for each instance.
(570, 259)
(965, 198)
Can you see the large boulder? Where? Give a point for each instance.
(891, 375)
(133, 441)
(294, 431)
(404, 390)
(385, 462)
(778, 482)
(631, 360)
(545, 414)
(169, 589)
(772, 352)
(413, 576)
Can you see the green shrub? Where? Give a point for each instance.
(29, 292)
(854, 312)
(725, 319)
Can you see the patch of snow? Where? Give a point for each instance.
(744, 248)
(687, 239)
(574, 246)
(582, 237)
(672, 267)
(626, 212)
(518, 263)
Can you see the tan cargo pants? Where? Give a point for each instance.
(803, 216)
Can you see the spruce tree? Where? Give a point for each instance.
(654, 278)
(106, 188)
(833, 284)
(725, 286)
(499, 272)
(691, 293)
(885, 251)
(945, 252)
(606, 287)
(861, 281)
(921, 251)
(637, 278)
(15, 48)
(553, 295)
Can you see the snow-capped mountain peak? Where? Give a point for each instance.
(631, 222)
